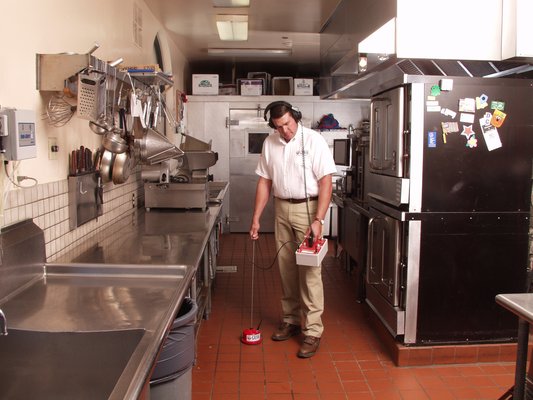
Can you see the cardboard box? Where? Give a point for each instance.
(267, 79)
(250, 87)
(303, 87)
(283, 85)
(205, 84)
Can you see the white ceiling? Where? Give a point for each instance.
(272, 24)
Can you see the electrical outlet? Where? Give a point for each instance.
(53, 149)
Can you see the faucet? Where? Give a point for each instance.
(3, 323)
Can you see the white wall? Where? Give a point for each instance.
(28, 27)
(55, 26)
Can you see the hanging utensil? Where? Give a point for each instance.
(97, 128)
(59, 111)
(106, 166)
(114, 142)
(91, 95)
(122, 167)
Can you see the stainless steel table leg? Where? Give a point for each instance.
(521, 360)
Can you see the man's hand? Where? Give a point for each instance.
(254, 231)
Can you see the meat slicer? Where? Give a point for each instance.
(182, 181)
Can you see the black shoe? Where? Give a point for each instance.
(285, 331)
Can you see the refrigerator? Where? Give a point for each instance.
(450, 197)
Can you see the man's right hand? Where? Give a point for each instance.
(254, 231)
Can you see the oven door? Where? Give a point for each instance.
(387, 112)
(385, 270)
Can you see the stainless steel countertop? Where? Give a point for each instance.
(520, 304)
(133, 275)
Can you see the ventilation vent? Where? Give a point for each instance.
(451, 68)
(409, 68)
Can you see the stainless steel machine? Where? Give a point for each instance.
(180, 182)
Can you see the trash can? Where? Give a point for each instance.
(171, 378)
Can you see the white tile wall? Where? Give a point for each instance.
(47, 204)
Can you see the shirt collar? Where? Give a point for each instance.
(298, 132)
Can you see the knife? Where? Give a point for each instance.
(82, 159)
(88, 159)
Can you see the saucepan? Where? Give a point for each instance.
(106, 165)
(115, 139)
(122, 166)
(114, 142)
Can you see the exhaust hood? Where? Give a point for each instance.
(382, 74)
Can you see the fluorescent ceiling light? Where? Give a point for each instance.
(232, 27)
(248, 52)
(231, 3)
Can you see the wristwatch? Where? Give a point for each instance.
(320, 220)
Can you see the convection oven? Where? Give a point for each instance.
(449, 198)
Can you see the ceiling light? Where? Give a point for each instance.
(248, 52)
(231, 3)
(232, 27)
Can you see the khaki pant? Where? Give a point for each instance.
(303, 294)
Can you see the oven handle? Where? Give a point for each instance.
(369, 248)
(373, 136)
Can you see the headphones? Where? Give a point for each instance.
(295, 112)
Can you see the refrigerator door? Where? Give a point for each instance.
(465, 261)
(465, 170)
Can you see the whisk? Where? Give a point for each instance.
(59, 111)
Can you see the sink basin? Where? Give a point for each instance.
(64, 365)
(88, 298)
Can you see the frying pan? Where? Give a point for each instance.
(122, 167)
(106, 165)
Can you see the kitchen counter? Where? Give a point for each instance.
(130, 277)
(520, 304)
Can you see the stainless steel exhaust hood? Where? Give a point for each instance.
(394, 70)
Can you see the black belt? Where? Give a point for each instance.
(298, 201)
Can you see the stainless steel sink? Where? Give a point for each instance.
(64, 365)
(72, 298)
(88, 328)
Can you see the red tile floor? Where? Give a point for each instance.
(351, 362)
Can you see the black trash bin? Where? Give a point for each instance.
(171, 378)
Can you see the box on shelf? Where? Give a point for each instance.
(303, 87)
(205, 84)
(262, 75)
(282, 85)
(250, 87)
(227, 89)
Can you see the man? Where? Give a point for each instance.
(300, 203)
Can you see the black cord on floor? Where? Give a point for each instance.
(266, 268)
